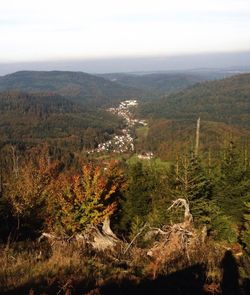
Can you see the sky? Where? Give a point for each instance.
(49, 30)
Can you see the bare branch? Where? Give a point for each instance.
(135, 237)
(188, 218)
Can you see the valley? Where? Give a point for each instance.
(125, 141)
(125, 147)
(98, 187)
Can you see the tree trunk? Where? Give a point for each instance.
(197, 141)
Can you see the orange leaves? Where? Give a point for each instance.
(86, 198)
(26, 190)
(67, 201)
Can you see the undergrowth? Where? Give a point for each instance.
(66, 266)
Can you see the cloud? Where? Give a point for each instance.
(45, 29)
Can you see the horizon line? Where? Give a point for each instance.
(120, 57)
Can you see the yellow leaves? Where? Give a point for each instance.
(87, 197)
(67, 201)
(26, 189)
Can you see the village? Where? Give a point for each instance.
(124, 142)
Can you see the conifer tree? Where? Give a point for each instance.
(246, 232)
(233, 184)
(190, 181)
(138, 196)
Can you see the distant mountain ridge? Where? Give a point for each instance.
(79, 86)
(226, 100)
(164, 82)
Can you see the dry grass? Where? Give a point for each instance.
(66, 266)
(22, 266)
(29, 266)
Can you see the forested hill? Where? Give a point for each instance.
(226, 100)
(165, 83)
(41, 117)
(39, 104)
(79, 86)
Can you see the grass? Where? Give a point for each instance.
(30, 266)
(157, 163)
(142, 132)
(67, 268)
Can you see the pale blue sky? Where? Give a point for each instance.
(36, 30)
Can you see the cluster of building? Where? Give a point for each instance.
(124, 142)
(119, 144)
(124, 111)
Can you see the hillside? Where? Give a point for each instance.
(224, 100)
(163, 83)
(169, 138)
(222, 105)
(81, 87)
(38, 117)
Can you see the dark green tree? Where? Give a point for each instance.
(233, 184)
(138, 196)
(189, 180)
(245, 236)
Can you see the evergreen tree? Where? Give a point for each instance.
(222, 227)
(189, 181)
(138, 196)
(233, 184)
(246, 232)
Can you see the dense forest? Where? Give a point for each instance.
(76, 86)
(64, 199)
(168, 138)
(74, 222)
(34, 118)
(165, 82)
(220, 101)
(222, 105)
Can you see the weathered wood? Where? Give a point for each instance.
(188, 218)
(99, 239)
(197, 140)
(107, 230)
(135, 237)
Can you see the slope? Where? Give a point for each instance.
(169, 138)
(163, 83)
(81, 87)
(42, 117)
(226, 100)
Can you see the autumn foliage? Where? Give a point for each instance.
(85, 198)
(26, 190)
